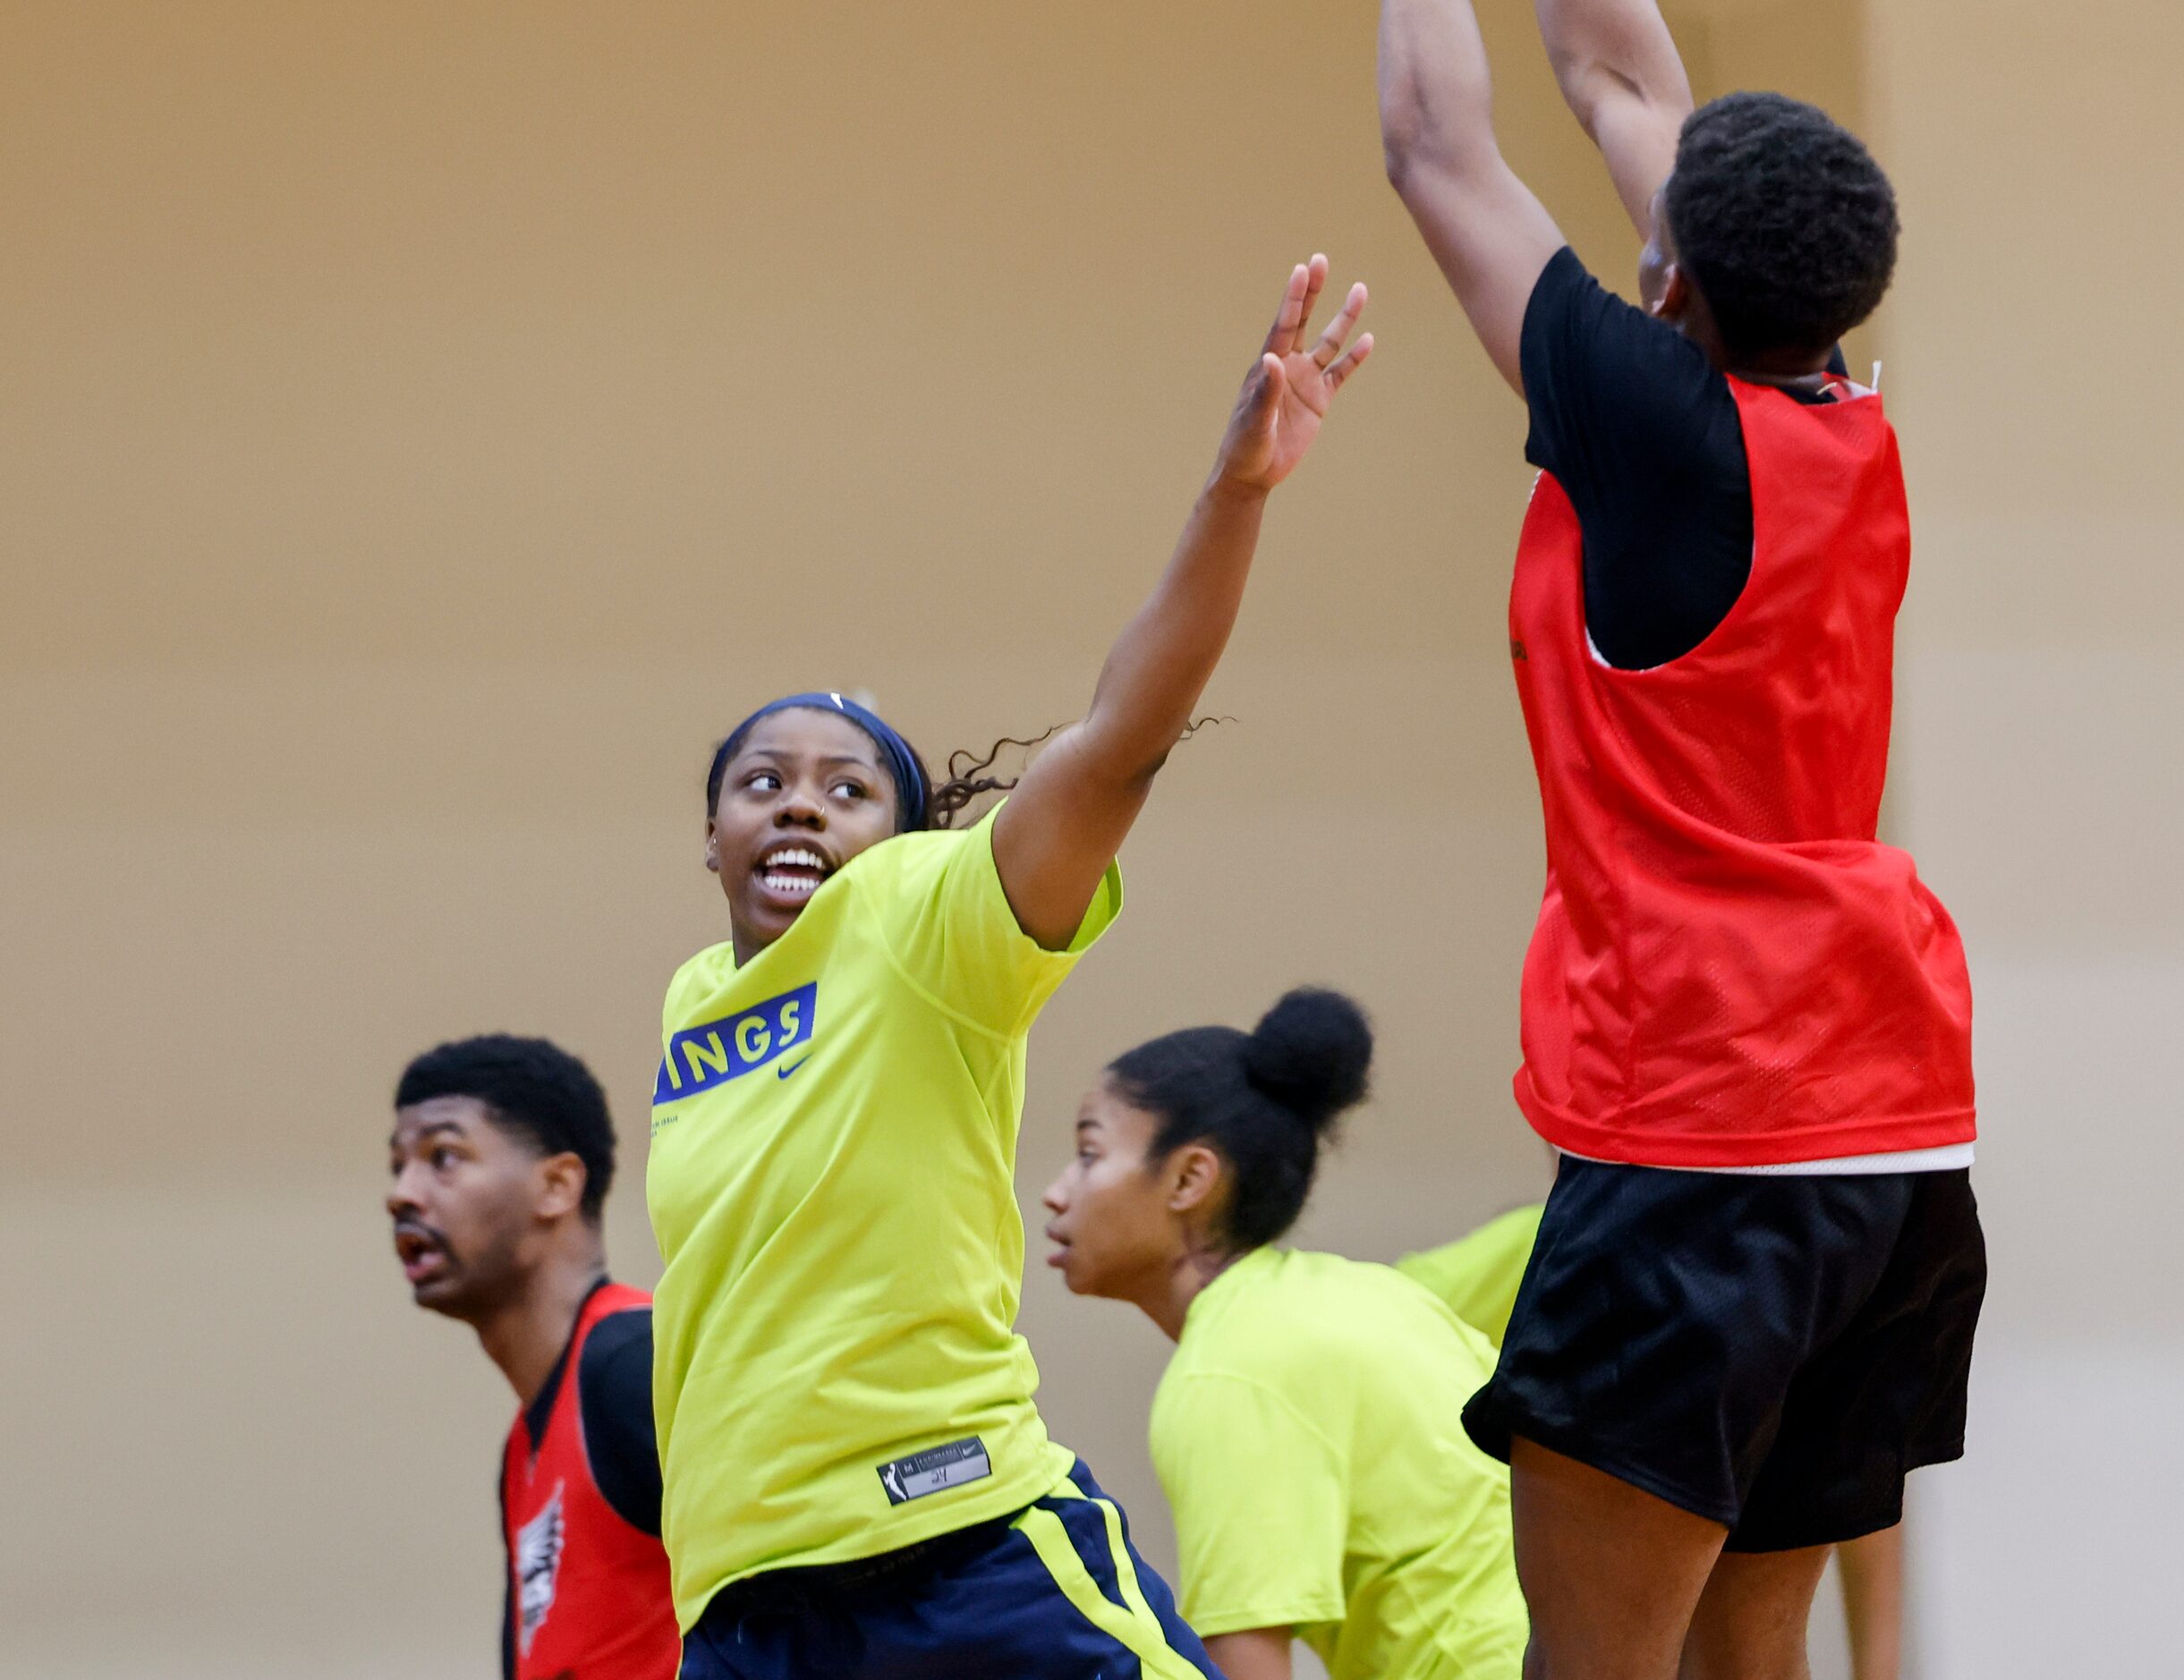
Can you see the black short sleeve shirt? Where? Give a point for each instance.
(1642, 432)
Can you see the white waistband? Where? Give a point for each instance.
(1947, 1159)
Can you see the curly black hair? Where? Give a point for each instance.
(1783, 220)
(1265, 1101)
(533, 1088)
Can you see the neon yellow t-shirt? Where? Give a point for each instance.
(1307, 1434)
(836, 1368)
(1478, 1275)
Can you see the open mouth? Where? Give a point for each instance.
(792, 873)
(424, 1256)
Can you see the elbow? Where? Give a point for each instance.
(1423, 164)
(1421, 136)
(1402, 118)
(1402, 140)
(1570, 68)
(1396, 158)
(1122, 758)
(1589, 84)
(1574, 73)
(1132, 766)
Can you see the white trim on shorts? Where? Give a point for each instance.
(1946, 1158)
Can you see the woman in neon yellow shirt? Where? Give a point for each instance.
(1307, 1431)
(857, 1481)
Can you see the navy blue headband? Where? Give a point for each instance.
(910, 794)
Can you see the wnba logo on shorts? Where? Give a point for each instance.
(700, 1057)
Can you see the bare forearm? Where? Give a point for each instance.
(1436, 90)
(1624, 80)
(1491, 236)
(1056, 836)
(1599, 47)
(1160, 664)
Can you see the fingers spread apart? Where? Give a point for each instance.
(1330, 340)
(1350, 363)
(1287, 334)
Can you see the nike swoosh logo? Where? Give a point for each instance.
(783, 1073)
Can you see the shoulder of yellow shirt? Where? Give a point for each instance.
(1478, 1274)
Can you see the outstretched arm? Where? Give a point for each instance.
(1059, 830)
(1620, 74)
(1488, 233)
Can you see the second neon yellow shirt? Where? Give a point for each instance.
(836, 1371)
(1308, 1436)
(1478, 1275)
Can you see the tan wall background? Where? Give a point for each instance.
(424, 428)
(2038, 781)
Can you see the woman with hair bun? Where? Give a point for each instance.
(1322, 1485)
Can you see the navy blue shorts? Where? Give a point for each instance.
(1055, 1593)
(1773, 1352)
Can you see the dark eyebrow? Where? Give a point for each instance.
(393, 1140)
(774, 755)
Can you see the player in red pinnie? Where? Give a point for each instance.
(502, 1152)
(1746, 1023)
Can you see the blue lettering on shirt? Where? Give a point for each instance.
(700, 1057)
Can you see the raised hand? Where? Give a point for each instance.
(1286, 397)
(1057, 833)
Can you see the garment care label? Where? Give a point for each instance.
(935, 1470)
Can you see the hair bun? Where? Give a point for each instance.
(1311, 1053)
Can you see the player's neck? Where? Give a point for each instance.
(1763, 367)
(1770, 367)
(526, 1335)
(1798, 369)
(1168, 1301)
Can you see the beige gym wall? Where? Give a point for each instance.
(423, 429)
(2030, 342)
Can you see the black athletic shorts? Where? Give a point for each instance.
(1775, 1352)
